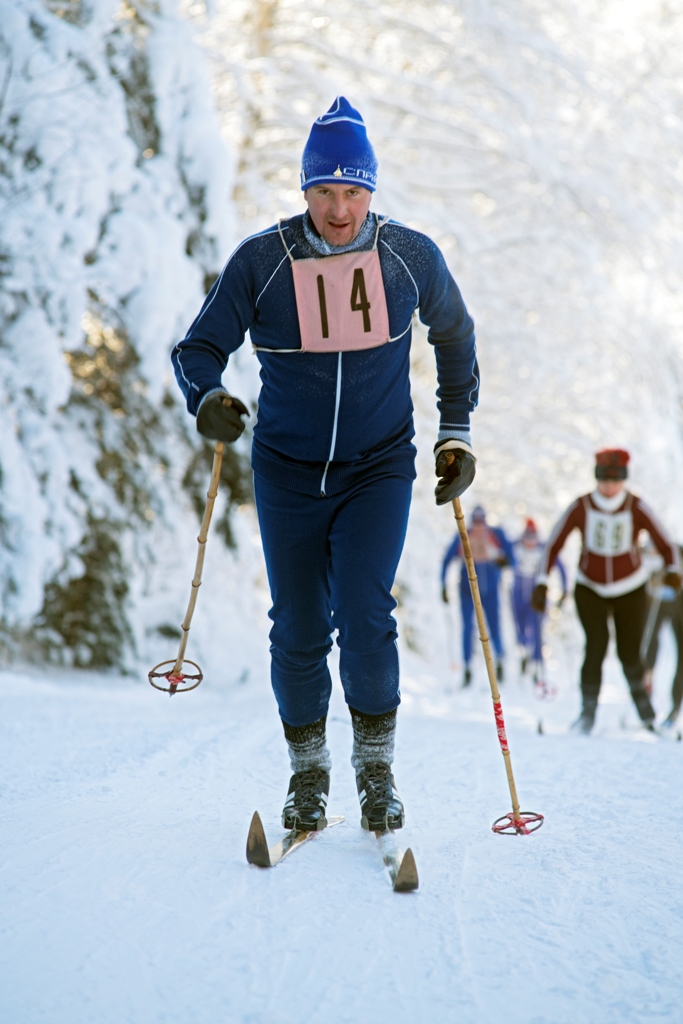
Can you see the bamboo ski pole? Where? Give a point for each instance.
(176, 675)
(517, 822)
(201, 551)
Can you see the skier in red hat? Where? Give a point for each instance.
(528, 552)
(611, 578)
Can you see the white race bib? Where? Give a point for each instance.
(609, 534)
(528, 560)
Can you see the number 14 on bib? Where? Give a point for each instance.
(341, 303)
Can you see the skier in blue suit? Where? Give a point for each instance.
(491, 551)
(328, 299)
(528, 552)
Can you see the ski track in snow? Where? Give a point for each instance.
(127, 898)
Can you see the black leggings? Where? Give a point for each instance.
(673, 611)
(628, 612)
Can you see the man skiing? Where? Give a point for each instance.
(328, 299)
(665, 603)
(611, 578)
(528, 552)
(492, 551)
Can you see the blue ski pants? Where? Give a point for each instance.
(488, 576)
(331, 564)
(528, 622)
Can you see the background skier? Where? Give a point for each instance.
(528, 552)
(665, 604)
(328, 298)
(492, 551)
(611, 578)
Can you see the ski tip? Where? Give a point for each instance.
(406, 879)
(257, 847)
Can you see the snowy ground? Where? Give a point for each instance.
(126, 896)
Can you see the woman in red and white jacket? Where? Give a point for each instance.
(611, 578)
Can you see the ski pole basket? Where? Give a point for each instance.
(544, 691)
(523, 825)
(184, 675)
(187, 678)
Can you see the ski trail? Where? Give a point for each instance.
(126, 892)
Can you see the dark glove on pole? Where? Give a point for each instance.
(455, 467)
(538, 597)
(219, 417)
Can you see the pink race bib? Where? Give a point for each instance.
(341, 303)
(484, 548)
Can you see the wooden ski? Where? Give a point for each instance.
(401, 866)
(263, 856)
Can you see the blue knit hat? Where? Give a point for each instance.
(338, 150)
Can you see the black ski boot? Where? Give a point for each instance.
(643, 703)
(467, 677)
(306, 801)
(380, 805)
(500, 673)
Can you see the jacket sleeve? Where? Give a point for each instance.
(226, 315)
(451, 332)
(452, 553)
(574, 517)
(645, 519)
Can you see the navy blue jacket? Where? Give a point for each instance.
(323, 417)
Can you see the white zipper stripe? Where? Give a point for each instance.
(336, 421)
(337, 401)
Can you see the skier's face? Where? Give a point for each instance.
(338, 210)
(610, 487)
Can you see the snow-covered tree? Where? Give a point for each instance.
(115, 192)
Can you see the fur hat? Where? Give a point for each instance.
(611, 463)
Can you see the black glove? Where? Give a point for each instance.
(456, 468)
(502, 562)
(219, 417)
(444, 594)
(538, 597)
(672, 579)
